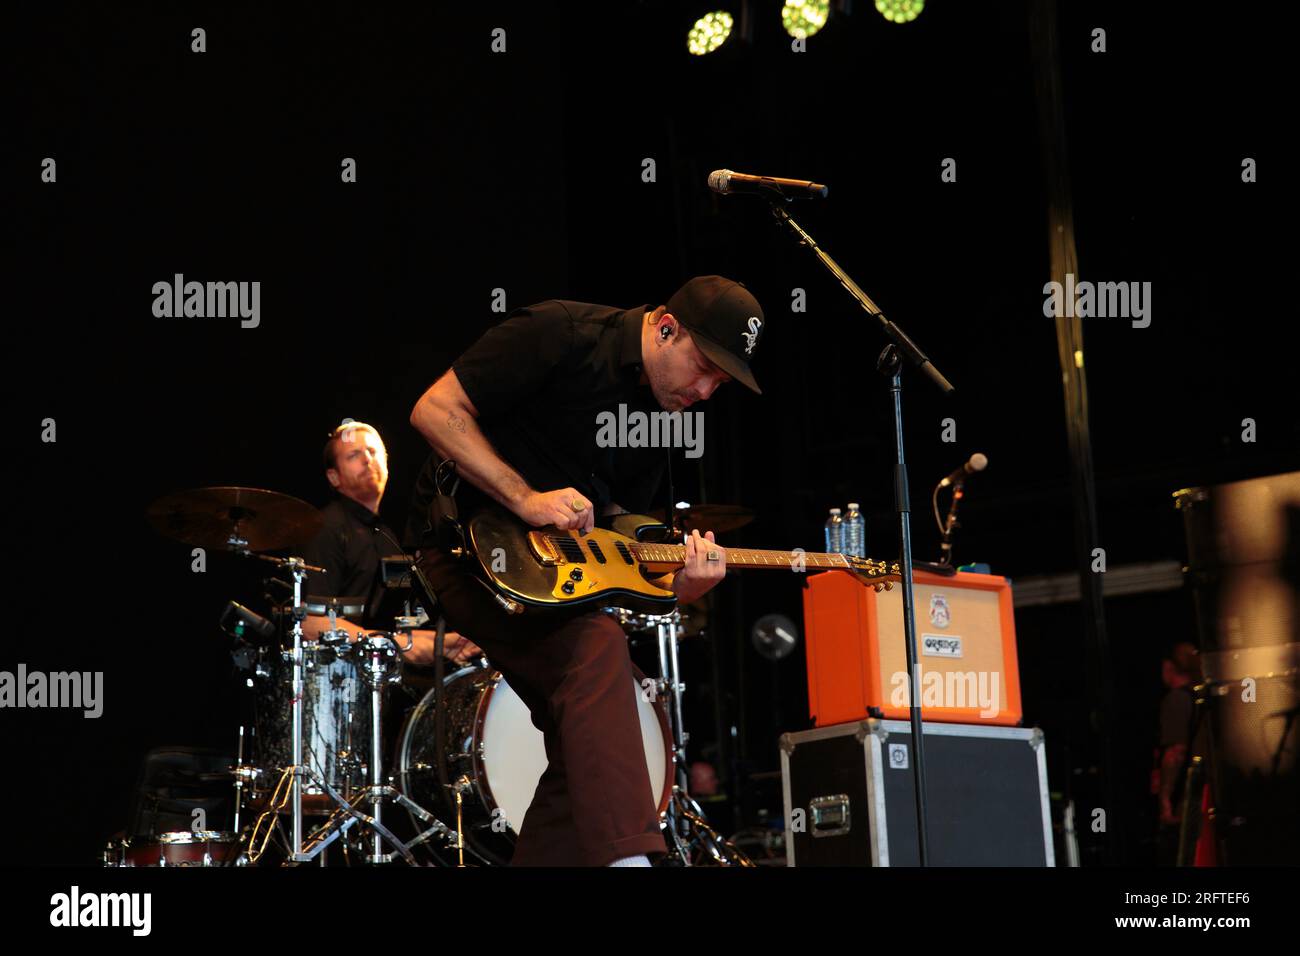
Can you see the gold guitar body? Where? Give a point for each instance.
(534, 565)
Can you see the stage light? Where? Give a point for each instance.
(803, 18)
(774, 636)
(710, 32)
(900, 11)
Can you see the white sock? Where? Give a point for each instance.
(639, 860)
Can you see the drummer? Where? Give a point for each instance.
(353, 539)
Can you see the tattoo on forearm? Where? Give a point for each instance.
(456, 422)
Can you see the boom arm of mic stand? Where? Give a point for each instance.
(905, 345)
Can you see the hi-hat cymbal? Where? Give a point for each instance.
(716, 518)
(235, 519)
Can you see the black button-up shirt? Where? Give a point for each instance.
(348, 546)
(539, 381)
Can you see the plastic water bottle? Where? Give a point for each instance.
(835, 533)
(855, 532)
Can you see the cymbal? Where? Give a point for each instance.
(235, 519)
(716, 518)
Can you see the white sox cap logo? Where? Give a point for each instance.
(751, 337)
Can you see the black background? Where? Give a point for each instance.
(522, 171)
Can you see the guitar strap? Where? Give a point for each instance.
(670, 512)
(444, 530)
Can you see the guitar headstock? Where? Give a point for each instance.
(881, 575)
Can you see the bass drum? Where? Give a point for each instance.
(492, 742)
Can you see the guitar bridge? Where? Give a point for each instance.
(543, 548)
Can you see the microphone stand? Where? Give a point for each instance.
(945, 548)
(890, 365)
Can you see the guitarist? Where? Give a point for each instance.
(517, 412)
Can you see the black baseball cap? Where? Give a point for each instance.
(726, 323)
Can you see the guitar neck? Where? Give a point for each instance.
(674, 555)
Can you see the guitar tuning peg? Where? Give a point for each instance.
(878, 587)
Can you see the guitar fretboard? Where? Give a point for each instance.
(743, 557)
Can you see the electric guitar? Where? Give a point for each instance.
(553, 568)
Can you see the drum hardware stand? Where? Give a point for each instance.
(299, 568)
(684, 818)
(375, 672)
(334, 635)
(377, 668)
(667, 628)
(463, 784)
(348, 815)
(409, 577)
(696, 830)
(239, 774)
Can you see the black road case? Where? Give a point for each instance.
(850, 796)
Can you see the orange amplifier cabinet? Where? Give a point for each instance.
(966, 649)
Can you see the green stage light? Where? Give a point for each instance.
(803, 18)
(710, 32)
(900, 11)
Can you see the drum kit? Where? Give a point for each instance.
(311, 779)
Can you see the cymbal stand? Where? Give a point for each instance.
(297, 854)
(298, 567)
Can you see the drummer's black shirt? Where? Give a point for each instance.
(538, 380)
(348, 546)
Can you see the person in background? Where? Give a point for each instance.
(1180, 672)
(353, 540)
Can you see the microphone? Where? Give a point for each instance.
(237, 620)
(726, 182)
(978, 462)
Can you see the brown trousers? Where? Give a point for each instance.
(593, 804)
